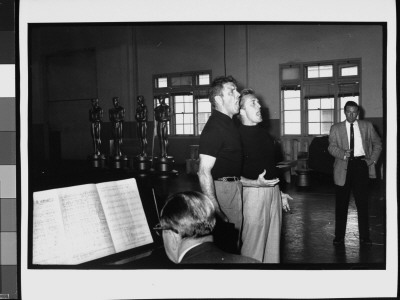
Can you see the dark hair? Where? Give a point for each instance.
(190, 214)
(351, 103)
(217, 85)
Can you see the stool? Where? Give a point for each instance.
(303, 177)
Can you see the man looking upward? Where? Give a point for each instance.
(220, 153)
(262, 205)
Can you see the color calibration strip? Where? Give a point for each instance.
(8, 211)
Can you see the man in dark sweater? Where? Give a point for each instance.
(262, 205)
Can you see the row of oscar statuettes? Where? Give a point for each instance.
(117, 115)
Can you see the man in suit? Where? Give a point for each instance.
(356, 147)
(186, 222)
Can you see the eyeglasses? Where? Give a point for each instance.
(159, 229)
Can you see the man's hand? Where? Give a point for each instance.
(262, 182)
(285, 202)
(347, 153)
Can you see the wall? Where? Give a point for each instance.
(114, 56)
(128, 57)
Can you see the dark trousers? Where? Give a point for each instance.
(357, 181)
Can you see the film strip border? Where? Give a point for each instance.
(8, 201)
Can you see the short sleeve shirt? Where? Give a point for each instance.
(220, 138)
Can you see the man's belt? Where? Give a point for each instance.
(232, 178)
(357, 157)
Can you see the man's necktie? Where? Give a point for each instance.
(351, 140)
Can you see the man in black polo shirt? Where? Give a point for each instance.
(220, 153)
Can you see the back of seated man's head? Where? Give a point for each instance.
(190, 214)
(187, 218)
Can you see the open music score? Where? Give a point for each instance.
(77, 224)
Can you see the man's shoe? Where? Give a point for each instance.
(365, 242)
(338, 241)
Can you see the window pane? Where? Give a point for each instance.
(314, 128)
(188, 107)
(349, 71)
(204, 79)
(292, 116)
(188, 118)
(179, 118)
(188, 99)
(314, 116)
(179, 108)
(179, 129)
(327, 103)
(319, 71)
(181, 80)
(325, 128)
(314, 103)
(291, 94)
(327, 115)
(312, 72)
(179, 98)
(326, 71)
(162, 82)
(290, 73)
(292, 104)
(292, 128)
(204, 106)
(188, 129)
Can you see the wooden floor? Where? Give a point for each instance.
(308, 230)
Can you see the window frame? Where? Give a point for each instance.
(307, 83)
(196, 90)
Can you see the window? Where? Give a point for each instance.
(187, 95)
(291, 110)
(319, 71)
(313, 95)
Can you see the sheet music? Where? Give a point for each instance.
(49, 244)
(85, 225)
(125, 215)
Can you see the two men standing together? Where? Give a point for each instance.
(222, 146)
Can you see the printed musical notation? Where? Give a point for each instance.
(81, 223)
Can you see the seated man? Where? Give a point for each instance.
(187, 221)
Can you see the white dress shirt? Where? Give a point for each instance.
(358, 147)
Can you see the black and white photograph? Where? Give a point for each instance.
(212, 150)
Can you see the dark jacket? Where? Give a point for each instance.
(209, 253)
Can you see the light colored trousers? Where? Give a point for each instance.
(229, 196)
(262, 220)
